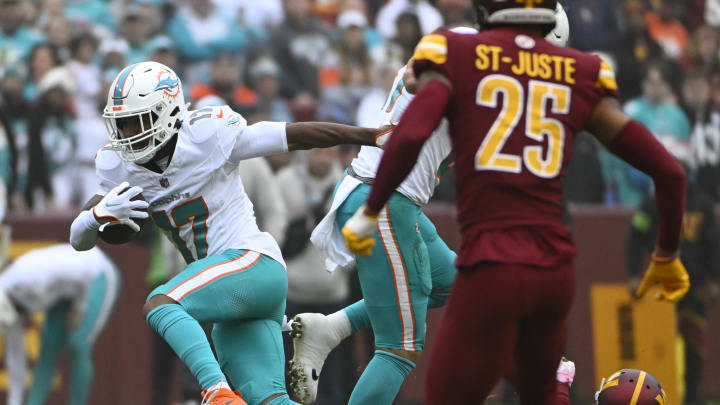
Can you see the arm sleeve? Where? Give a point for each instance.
(84, 231)
(637, 146)
(416, 126)
(15, 362)
(261, 139)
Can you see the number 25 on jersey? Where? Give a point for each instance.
(538, 125)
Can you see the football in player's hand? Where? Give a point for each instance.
(117, 234)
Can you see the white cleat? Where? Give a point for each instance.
(565, 372)
(313, 340)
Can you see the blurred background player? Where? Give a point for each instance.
(699, 252)
(508, 307)
(418, 266)
(186, 164)
(77, 292)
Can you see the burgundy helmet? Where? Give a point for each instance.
(629, 386)
(501, 12)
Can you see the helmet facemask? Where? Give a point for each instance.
(138, 136)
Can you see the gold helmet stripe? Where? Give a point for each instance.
(638, 388)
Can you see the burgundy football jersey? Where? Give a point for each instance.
(517, 103)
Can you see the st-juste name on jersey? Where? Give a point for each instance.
(199, 201)
(435, 156)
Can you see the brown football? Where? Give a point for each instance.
(120, 233)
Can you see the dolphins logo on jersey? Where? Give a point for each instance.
(233, 121)
(168, 83)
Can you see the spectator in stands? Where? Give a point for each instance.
(407, 34)
(590, 17)
(8, 164)
(666, 29)
(265, 77)
(633, 50)
(90, 130)
(112, 57)
(201, 31)
(307, 186)
(657, 108)
(712, 13)
(428, 17)
(456, 13)
(14, 116)
(705, 138)
(299, 46)
(16, 38)
(90, 12)
(51, 178)
(256, 15)
(353, 65)
(59, 36)
(41, 60)
(135, 28)
(703, 51)
(659, 112)
(358, 43)
(225, 83)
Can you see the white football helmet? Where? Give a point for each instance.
(147, 100)
(561, 33)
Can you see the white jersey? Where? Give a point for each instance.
(435, 155)
(39, 279)
(199, 201)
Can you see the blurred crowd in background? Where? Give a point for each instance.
(327, 60)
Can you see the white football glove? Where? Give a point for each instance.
(382, 138)
(358, 232)
(117, 209)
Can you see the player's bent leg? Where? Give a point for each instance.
(200, 293)
(251, 354)
(53, 340)
(382, 378)
(442, 263)
(249, 347)
(396, 282)
(476, 339)
(542, 334)
(102, 295)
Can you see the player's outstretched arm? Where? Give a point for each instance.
(418, 122)
(308, 135)
(631, 141)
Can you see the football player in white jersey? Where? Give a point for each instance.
(77, 292)
(186, 165)
(418, 266)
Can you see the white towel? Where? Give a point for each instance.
(327, 236)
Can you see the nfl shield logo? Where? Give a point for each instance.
(164, 182)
